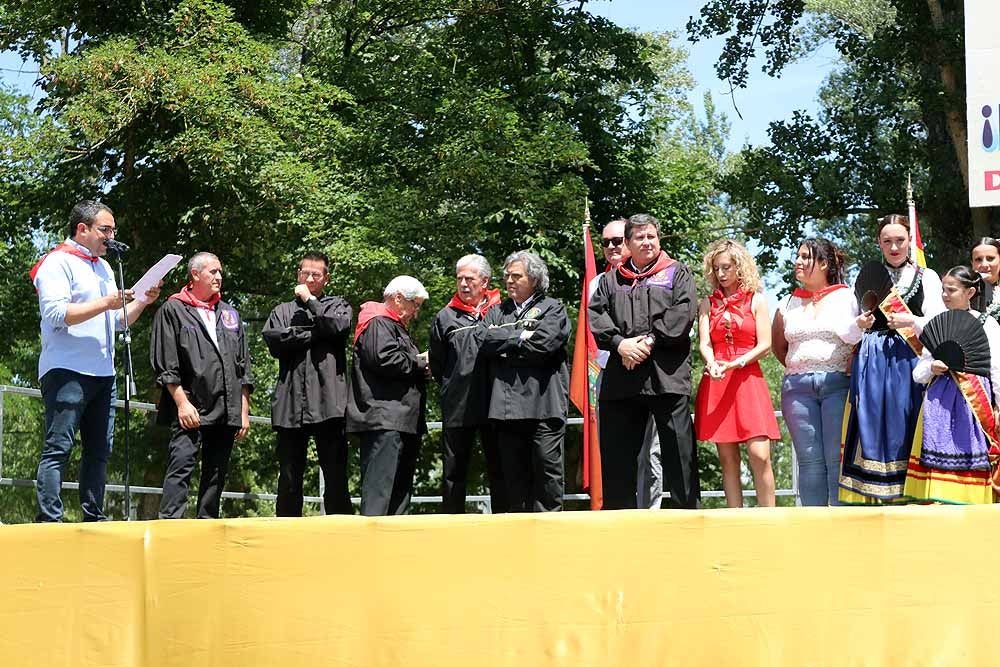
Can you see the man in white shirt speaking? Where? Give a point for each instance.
(81, 307)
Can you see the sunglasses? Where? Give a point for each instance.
(729, 331)
(613, 241)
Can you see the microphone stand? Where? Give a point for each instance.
(130, 388)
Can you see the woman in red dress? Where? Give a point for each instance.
(734, 404)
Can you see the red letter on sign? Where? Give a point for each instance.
(992, 180)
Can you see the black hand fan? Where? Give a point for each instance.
(872, 286)
(957, 338)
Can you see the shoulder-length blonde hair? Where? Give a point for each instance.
(746, 269)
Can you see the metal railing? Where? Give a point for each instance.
(482, 500)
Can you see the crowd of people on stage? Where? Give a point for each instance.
(873, 415)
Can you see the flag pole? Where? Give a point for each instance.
(916, 243)
(582, 384)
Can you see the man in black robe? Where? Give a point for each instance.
(308, 337)
(642, 314)
(199, 352)
(463, 373)
(388, 397)
(526, 344)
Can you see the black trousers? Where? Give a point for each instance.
(623, 426)
(388, 463)
(331, 450)
(458, 444)
(216, 444)
(531, 455)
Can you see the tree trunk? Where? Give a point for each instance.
(954, 118)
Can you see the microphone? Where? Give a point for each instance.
(116, 246)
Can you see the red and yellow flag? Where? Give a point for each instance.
(582, 383)
(916, 244)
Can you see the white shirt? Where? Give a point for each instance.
(820, 335)
(87, 348)
(931, 282)
(208, 317)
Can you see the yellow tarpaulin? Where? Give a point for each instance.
(797, 586)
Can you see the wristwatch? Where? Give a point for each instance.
(741, 362)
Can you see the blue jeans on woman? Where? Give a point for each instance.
(813, 407)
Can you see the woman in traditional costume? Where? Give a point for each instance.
(986, 259)
(884, 401)
(812, 335)
(986, 262)
(733, 405)
(950, 460)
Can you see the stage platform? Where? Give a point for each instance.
(796, 586)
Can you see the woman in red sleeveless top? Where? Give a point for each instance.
(734, 404)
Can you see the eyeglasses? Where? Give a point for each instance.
(727, 325)
(314, 275)
(613, 241)
(106, 230)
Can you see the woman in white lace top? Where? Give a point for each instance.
(813, 334)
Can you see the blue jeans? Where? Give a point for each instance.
(813, 407)
(72, 401)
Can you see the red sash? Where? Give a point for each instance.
(369, 311)
(62, 247)
(818, 294)
(492, 299)
(188, 297)
(895, 304)
(735, 305)
(662, 262)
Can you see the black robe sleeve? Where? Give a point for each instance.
(163, 348)
(438, 350)
(281, 336)
(607, 335)
(332, 317)
(380, 351)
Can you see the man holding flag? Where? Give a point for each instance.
(588, 369)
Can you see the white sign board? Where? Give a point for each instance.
(982, 67)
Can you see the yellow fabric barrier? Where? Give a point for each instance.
(878, 586)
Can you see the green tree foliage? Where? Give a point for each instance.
(396, 135)
(894, 106)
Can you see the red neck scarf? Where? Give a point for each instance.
(188, 297)
(490, 299)
(736, 305)
(369, 311)
(818, 294)
(62, 247)
(662, 262)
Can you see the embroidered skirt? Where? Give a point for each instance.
(950, 458)
(879, 424)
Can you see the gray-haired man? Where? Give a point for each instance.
(201, 358)
(456, 336)
(526, 345)
(388, 397)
